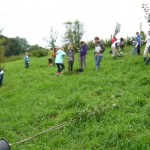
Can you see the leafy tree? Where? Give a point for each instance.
(74, 32)
(15, 46)
(52, 39)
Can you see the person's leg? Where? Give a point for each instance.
(84, 61)
(62, 67)
(69, 66)
(138, 49)
(99, 59)
(81, 62)
(58, 66)
(145, 53)
(96, 60)
(1, 80)
(114, 51)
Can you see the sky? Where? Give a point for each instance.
(32, 19)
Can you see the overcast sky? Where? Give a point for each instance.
(32, 19)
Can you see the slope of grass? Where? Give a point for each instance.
(34, 99)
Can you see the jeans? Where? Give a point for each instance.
(98, 59)
(83, 62)
(70, 66)
(138, 49)
(1, 79)
(26, 64)
(60, 67)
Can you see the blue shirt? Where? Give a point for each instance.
(60, 57)
(138, 39)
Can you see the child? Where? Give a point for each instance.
(98, 54)
(26, 59)
(54, 56)
(49, 58)
(70, 55)
(1, 77)
(60, 60)
(83, 52)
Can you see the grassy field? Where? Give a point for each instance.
(32, 100)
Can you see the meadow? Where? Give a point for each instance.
(111, 106)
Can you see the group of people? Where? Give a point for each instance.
(58, 57)
(117, 48)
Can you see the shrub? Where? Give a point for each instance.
(39, 53)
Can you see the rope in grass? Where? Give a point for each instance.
(43, 132)
(80, 116)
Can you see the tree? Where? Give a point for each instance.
(78, 32)
(15, 46)
(52, 39)
(2, 48)
(74, 32)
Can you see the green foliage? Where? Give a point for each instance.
(39, 53)
(74, 32)
(35, 47)
(111, 106)
(52, 40)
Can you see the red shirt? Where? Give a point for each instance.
(114, 40)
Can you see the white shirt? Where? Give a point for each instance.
(98, 48)
(147, 41)
(114, 44)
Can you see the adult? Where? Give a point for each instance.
(114, 39)
(115, 48)
(83, 52)
(147, 49)
(98, 53)
(138, 39)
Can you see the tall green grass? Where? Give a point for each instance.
(34, 99)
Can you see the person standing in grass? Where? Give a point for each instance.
(115, 48)
(83, 52)
(147, 49)
(138, 39)
(49, 58)
(54, 56)
(60, 60)
(99, 50)
(70, 54)
(1, 77)
(27, 60)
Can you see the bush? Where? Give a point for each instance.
(39, 53)
(13, 58)
(1, 54)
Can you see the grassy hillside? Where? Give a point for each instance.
(34, 99)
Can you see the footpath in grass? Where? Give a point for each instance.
(34, 99)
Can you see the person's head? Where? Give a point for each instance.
(62, 48)
(26, 53)
(137, 33)
(70, 47)
(82, 43)
(148, 33)
(121, 39)
(96, 40)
